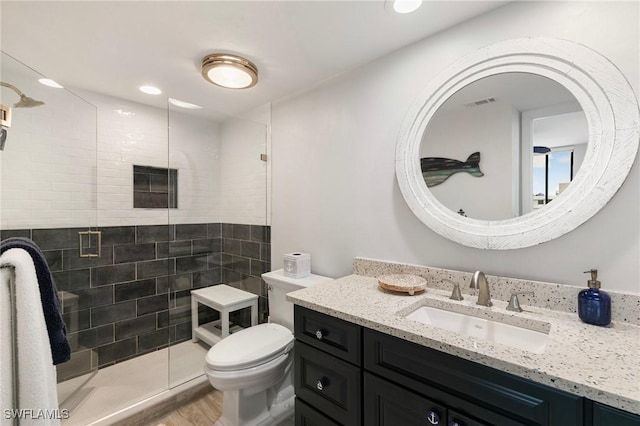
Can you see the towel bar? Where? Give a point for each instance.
(14, 336)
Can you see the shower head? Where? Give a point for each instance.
(25, 101)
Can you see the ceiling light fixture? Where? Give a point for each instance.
(406, 6)
(150, 90)
(50, 83)
(183, 104)
(229, 71)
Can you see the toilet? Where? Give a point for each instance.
(254, 367)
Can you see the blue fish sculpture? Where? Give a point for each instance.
(436, 170)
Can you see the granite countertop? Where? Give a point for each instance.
(600, 363)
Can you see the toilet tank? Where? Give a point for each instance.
(278, 285)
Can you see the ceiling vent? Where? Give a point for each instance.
(480, 102)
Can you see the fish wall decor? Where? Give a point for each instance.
(436, 170)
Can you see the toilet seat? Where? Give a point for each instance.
(250, 347)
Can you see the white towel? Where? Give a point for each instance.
(37, 398)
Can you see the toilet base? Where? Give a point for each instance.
(254, 410)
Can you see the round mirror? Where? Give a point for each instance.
(503, 146)
(437, 178)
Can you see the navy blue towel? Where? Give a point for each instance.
(56, 328)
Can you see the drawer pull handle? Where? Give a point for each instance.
(321, 384)
(319, 335)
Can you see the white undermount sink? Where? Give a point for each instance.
(480, 328)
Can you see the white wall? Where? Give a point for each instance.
(335, 194)
(487, 129)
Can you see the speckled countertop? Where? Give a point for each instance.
(602, 364)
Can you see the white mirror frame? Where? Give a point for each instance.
(612, 115)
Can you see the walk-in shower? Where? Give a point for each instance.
(67, 175)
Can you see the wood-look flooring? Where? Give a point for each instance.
(200, 411)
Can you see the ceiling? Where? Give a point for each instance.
(113, 47)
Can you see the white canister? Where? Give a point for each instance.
(297, 265)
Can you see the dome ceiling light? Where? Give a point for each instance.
(229, 71)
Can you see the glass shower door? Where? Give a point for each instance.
(48, 178)
(220, 224)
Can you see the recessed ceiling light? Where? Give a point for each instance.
(50, 83)
(183, 104)
(150, 90)
(229, 71)
(406, 6)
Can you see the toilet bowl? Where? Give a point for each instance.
(254, 367)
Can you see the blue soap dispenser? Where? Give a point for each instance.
(594, 305)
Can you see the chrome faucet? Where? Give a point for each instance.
(480, 282)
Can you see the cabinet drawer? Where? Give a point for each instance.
(335, 336)
(307, 416)
(445, 377)
(327, 383)
(387, 404)
(604, 415)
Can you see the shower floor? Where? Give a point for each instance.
(122, 385)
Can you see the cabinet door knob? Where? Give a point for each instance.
(433, 417)
(319, 335)
(321, 383)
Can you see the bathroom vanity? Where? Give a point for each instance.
(359, 361)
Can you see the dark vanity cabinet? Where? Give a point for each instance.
(350, 375)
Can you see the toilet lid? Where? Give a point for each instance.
(249, 347)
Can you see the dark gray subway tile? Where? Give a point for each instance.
(181, 298)
(207, 278)
(173, 283)
(212, 245)
(162, 319)
(206, 314)
(57, 238)
(104, 275)
(191, 264)
(112, 313)
(153, 340)
(71, 259)
(258, 267)
(227, 230)
(179, 315)
(154, 233)
(135, 326)
(250, 249)
(72, 280)
(215, 260)
(156, 268)
(96, 336)
(135, 289)
(118, 235)
(159, 183)
(241, 265)
(251, 284)
(173, 249)
(141, 182)
(150, 200)
(54, 259)
(231, 246)
(87, 298)
(134, 253)
(14, 233)
(265, 252)
(241, 317)
(214, 230)
(241, 232)
(116, 351)
(263, 309)
(230, 277)
(183, 332)
(191, 231)
(77, 320)
(260, 234)
(152, 304)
